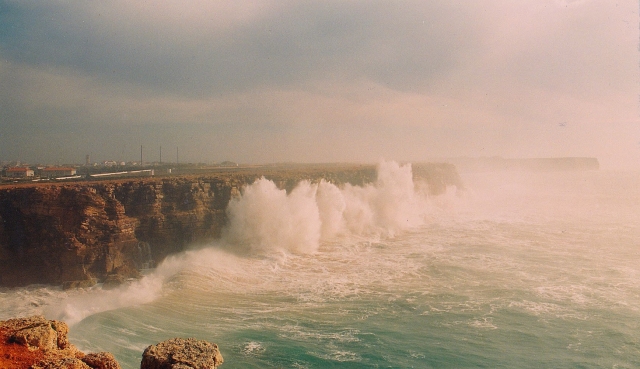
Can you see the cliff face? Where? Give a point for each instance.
(80, 233)
(86, 232)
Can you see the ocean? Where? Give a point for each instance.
(516, 270)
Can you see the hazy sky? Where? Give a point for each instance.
(319, 81)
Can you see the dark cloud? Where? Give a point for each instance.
(405, 79)
(397, 44)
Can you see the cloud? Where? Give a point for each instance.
(199, 48)
(196, 48)
(405, 79)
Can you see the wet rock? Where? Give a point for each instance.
(180, 353)
(84, 283)
(112, 281)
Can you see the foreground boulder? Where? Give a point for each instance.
(38, 343)
(180, 353)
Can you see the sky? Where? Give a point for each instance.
(319, 81)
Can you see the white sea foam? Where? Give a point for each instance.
(266, 219)
(253, 348)
(82, 303)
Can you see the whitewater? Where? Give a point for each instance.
(515, 270)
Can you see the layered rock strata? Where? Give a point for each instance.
(77, 234)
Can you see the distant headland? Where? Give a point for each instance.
(465, 164)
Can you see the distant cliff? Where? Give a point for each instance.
(86, 232)
(490, 164)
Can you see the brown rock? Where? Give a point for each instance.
(63, 330)
(41, 337)
(180, 353)
(37, 333)
(112, 281)
(38, 343)
(61, 363)
(101, 360)
(83, 283)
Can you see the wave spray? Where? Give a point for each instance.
(265, 219)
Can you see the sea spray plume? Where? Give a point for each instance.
(83, 303)
(389, 205)
(265, 218)
(216, 264)
(331, 207)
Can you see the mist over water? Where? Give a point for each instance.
(521, 270)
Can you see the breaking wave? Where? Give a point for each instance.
(265, 221)
(265, 218)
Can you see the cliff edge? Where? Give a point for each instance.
(77, 234)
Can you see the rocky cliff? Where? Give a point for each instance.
(80, 233)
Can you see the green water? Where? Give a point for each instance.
(527, 271)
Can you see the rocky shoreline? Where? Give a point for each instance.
(37, 343)
(82, 233)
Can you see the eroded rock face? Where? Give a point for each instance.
(38, 343)
(180, 353)
(83, 233)
(55, 234)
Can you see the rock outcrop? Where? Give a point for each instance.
(180, 353)
(77, 234)
(38, 343)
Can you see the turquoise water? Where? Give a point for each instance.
(521, 270)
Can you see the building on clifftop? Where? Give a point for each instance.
(19, 172)
(53, 172)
